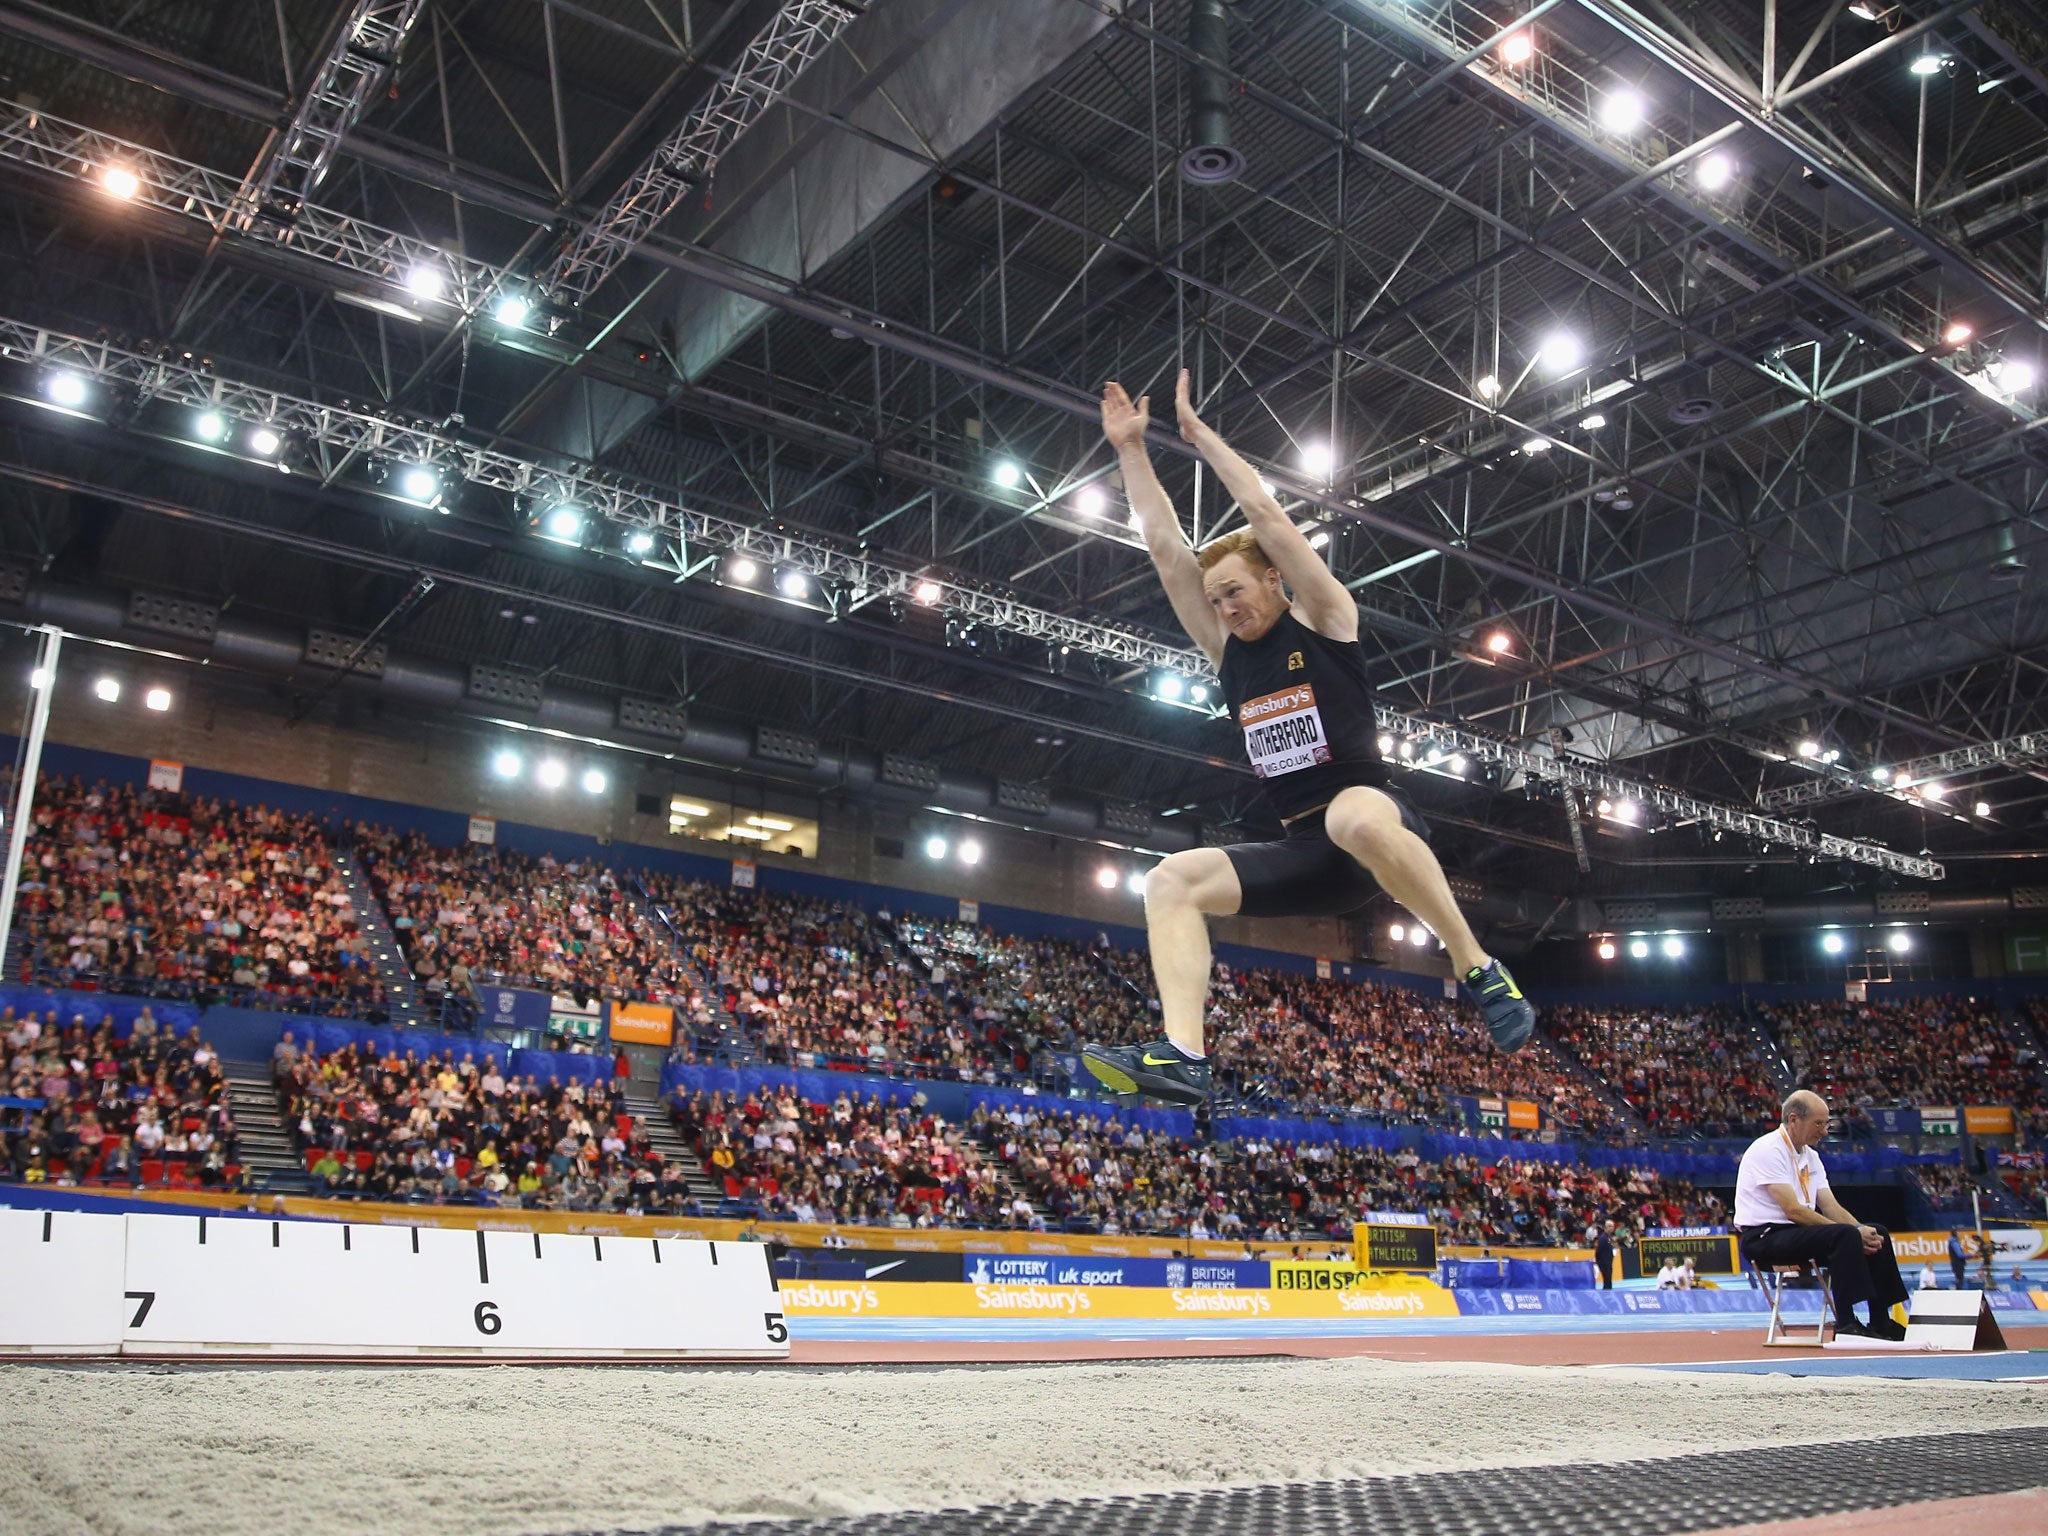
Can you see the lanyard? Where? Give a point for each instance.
(1799, 1167)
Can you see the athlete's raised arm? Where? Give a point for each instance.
(1180, 573)
(1321, 599)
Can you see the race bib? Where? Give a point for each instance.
(1284, 731)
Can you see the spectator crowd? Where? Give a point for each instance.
(94, 1105)
(1692, 1072)
(406, 1127)
(146, 890)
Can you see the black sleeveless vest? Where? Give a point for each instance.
(1304, 702)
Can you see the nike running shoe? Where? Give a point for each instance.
(1509, 1017)
(1160, 1070)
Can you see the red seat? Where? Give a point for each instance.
(364, 1161)
(462, 1167)
(312, 1157)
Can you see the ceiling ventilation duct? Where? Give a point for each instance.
(1209, 159)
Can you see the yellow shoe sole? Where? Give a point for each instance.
(1110, 1077)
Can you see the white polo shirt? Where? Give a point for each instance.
(1771, 1160)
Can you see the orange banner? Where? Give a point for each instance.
(643, 1023)
(1987, 1119)
(1524, 1116)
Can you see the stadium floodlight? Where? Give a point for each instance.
(419, 483)
(1623, 111)
(1091, 501)
(1606, 949)
(928, 592)
(1639, 949)
(564, 524)
(1169, 686)
(67, 389)
(1900, 941)
(970, 852)
(1928, 64)
(1833, 943)
(935, 847)
(1560, 352)
(1418, 936)
(39, 677)
(1500, 642)
(1881, 775)
(593, 781)
(1934, 790)
(426, 282)
(1386, 745)
(793, 585)
(265, 441)
(1487, 387)
(639, 542)
(1318, 459)
(1518, 47)
(1983, 808)
(210, 427)
(1108, 878)
(1320, 539)
(1199, 692)
(1459, 764)
(551, 774)
(505, 764)
(743, 570)
(1593, 423)
(1957, 333)
(107, 690)
(1397, 932)
(1809, 749)
(158, 699)
(1536, 445)
(118, 182)
(1007, 474)
(1135, 882)
(1714, 172)
(512, 310)
(1674, 947)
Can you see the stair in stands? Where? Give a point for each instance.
(402, 994)
(649, 1112)
(1569, 1065)
(1773, 1057)
(266, 1147)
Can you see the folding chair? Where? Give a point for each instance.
(1780, 1333)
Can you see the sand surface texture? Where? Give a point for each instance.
(110, 1451)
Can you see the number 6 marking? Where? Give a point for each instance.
(778, 1331)
(487, 1319)
(148, 1300)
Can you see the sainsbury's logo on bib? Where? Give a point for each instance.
(1284, 731)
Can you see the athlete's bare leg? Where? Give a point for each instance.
(1367, 825)
(1181, 894)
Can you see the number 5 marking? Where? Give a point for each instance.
(148, 1300)
(778, 1331)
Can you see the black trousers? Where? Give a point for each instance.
(1855, 1275)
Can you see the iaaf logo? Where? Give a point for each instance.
(1285, 703)
(813, 1297)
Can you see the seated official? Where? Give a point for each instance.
(1785, 1213)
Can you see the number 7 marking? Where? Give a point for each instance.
(148, 1300)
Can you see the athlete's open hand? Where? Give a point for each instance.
(1123, 423)
(1184, 408)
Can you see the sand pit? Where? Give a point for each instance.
(137, 1451)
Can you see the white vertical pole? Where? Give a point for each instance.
(29, 762)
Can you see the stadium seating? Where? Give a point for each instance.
(395, 1126)
(100, 1102)
(143, 890)
(1695, 1072)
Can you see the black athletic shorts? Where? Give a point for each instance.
(1305, 874)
